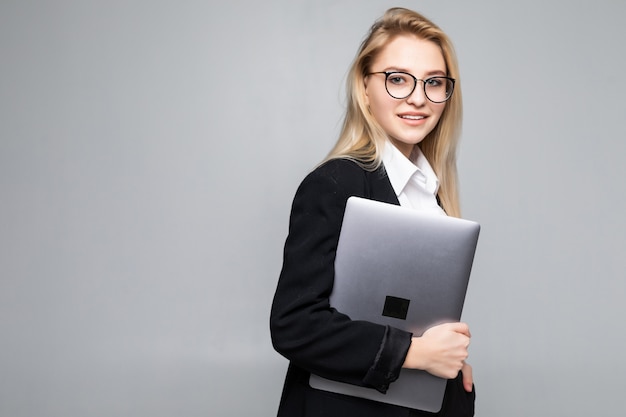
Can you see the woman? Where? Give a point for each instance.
(398, 146)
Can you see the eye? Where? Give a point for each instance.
(397, 78)
(434, 82)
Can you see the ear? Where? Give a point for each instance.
(367, 96)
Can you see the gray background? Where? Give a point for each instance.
(149, 152)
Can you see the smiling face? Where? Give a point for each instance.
(409, 120)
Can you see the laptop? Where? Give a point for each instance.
(400, 267)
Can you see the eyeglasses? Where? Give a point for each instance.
(400, 85)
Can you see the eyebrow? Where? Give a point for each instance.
(429, 73)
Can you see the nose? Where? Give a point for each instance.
(418, 96)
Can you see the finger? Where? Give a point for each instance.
(462, 328)
(468, 378)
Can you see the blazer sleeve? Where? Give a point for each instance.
(304, 327)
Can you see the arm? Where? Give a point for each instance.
(305, 329)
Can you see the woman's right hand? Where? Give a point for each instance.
(441, 350)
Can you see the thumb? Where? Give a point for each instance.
(468, 378)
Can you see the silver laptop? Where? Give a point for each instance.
(397, 266)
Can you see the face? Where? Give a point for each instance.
(406, 121)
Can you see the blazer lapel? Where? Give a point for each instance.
(381, 188)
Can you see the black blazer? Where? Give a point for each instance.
(317, 338)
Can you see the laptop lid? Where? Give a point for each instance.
(397, 266)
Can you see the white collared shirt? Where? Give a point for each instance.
(414, 181)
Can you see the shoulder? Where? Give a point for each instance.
(341, 178)
(339, 166)
(326, 189)
(341, 175)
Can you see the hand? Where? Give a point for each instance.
(468, 380)
(441, 350)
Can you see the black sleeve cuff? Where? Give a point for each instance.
(389, 360)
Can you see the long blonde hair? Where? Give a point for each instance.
(362, 137)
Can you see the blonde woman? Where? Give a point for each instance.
(397, 145)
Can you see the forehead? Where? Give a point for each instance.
(410, 53)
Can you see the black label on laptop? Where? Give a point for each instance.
(396, 307)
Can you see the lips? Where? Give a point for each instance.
(412, 116)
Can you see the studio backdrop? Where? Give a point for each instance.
(149, 153)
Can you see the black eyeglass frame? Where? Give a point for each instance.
(415, 80)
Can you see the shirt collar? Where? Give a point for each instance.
(401, 169)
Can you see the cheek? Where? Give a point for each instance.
(438, 111)
(379, 110)
(380, 104)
